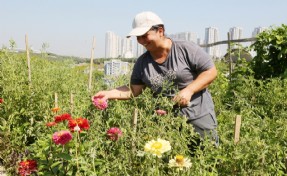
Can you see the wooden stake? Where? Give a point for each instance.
(134, 126)
(237, 128)
(56, 100)
(91, 63)
(72, 103)
(135, 120)
(229, 53)
(28, 60)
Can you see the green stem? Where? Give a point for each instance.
(77, 150)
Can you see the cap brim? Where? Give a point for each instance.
(139, 31)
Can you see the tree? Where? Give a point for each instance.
(12, 44)
(44, 48)
(271, 49)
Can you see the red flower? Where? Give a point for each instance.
(62, 117)
(49, 124)
(114, 133)
(1, 100)
(27, 167)
(62, 137)
(82, 123)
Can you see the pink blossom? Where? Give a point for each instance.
(114, 133)
(62, 137)
(161, 112)
(100, 103)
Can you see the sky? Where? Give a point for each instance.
(69, 26)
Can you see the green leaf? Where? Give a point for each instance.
(64, 156)
(56, 164)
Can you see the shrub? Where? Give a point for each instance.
(271, 49)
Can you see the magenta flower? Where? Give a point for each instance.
(161, 112)
(100, 103)
(114, 133)
(62, 137)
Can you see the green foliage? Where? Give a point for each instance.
(271, 49)
(25, 112)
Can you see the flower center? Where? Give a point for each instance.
(179, 159)
(156, 145)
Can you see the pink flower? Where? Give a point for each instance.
(114, 133)
(1, 100)
(161, 112)
(62, 137)
(100, 103)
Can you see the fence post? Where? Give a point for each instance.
(229, 54)
(28, 61)
(134, 126)
(135, 121)
(91, 64)
(237, 129)
(71, 103)
(56, 100)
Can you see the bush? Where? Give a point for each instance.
(271, 49)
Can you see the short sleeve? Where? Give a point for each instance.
(136, 76)
(203, 59)
(197, 58)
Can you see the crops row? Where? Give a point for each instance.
(30, 125)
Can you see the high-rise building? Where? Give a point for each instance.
(212, 36)
(140, 50)
(127, 48)
(118, 47)
(200, 41)
(257, 30)
(112, 49)
(116, 67)
(185, 36)
(235, 33)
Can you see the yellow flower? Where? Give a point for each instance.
(180, 162)
(157, 147)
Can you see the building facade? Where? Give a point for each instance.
(112, 45)
(116, 47)
(185, 36)
(116, 67)
(212, 36)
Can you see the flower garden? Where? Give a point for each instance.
(72, 135)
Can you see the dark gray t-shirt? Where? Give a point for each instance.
(184, 63)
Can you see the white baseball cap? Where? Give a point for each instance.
(143, 22)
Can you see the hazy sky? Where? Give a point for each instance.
(68, 26)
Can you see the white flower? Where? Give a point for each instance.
(157, 147)
(77, 128)
(180, 162)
